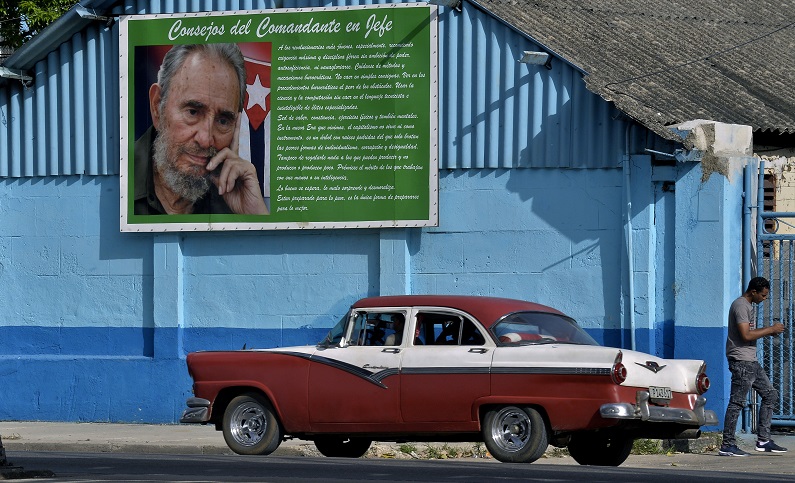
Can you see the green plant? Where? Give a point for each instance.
(433, 453)
(557, 453)
(479, 450)
(647, 446)
(450, 451)
(408, 448)
(22, 19)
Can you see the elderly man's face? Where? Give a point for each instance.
(197, 121)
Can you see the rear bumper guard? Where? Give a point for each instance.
(642, 411)
(198, 411)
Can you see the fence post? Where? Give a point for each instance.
(3, 460)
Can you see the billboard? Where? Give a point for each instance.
(279, 119)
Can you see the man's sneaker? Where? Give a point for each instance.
(732, 450)
(769, 447)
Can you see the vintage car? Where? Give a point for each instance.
(515, 375)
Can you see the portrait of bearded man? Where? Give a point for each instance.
(188, 161)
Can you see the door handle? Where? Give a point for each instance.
(478, 350)
(393, 350)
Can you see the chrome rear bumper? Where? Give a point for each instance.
(642, 411)
(198, 411)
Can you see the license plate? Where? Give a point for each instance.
(659, 393)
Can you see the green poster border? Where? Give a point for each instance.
(147, 30)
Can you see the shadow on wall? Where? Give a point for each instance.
(259, 288)
(581, 269)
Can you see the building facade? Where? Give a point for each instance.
(547, 193)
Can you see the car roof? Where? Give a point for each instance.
(486, 309)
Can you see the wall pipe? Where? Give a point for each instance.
(747, 207)
(626, 166)
(750, 412)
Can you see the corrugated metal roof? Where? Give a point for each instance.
(669, 61)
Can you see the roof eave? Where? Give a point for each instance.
(558, 56)
(49, 39)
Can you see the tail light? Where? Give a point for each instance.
(619, 371)
(702, 381)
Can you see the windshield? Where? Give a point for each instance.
(334, 336)
(526, 328)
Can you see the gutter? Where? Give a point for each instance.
(22, 61)
(15, 74)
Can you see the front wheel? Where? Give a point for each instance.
(250, 426)
(515, 435)
(341, 447)
(600, 449)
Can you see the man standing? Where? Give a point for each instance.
(746, 371)
(188, 161)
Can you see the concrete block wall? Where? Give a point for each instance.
(546, 235)
(95, 324)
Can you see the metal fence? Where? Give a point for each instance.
(777, 264)
(775, 252)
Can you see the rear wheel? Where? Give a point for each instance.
(342, 447)
(600, 449)
(515, 435)
(250, 426)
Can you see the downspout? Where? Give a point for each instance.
(747, 204)
(751, 410)
(628, 217)
(746, 275)
(760, 208)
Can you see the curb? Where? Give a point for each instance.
(141, 448)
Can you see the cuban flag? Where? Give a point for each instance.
(255, 141)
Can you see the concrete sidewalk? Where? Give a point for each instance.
(154, 439)
(117, 438)
(197, 439)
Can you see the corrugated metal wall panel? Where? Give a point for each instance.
(494, 111)
(66, 122)
(4, 132)
(79, 59)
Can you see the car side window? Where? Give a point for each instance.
(377, 329)
(470, 335)
(450, 332)
(447, 329)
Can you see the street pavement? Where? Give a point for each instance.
(196, 439)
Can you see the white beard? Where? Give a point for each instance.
(189, 186)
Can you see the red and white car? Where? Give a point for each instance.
(513, 374)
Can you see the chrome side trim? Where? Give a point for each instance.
(444, 370)
(578, 371)
(642, 411)
(373, 377)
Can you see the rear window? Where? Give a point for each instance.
(527, 328)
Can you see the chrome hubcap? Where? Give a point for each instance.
(248, 424)
(510, 430)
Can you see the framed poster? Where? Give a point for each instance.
(279, 119)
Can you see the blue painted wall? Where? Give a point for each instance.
(95, 324)
(91, 316)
